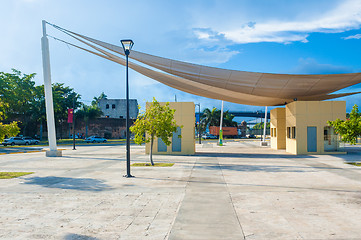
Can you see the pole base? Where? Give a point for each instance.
(53, 153)
(264, 144)
(128, 176)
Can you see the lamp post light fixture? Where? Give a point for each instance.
(127, 46)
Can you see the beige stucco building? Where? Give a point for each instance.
(278, 128)
(184, 116)
(301, 127)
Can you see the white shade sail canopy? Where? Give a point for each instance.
(250, 88)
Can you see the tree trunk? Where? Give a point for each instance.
(151, 151)
(86, 130)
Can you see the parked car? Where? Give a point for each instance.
(250, 136)
(95, 139)
(209, 136)
(31, 140)
(15, 141)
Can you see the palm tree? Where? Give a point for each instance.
(228, 120)
(88, 113)
(97, 99)
(212, 118)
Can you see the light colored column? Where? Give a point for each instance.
(264, 143)
(53, 152)
(220, 128)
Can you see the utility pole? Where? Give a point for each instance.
(220, 128)
(264, 143)
(53, 152)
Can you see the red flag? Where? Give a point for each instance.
(70, 115)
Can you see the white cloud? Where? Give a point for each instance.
(357, 36)
(311, 66)
(345, 16)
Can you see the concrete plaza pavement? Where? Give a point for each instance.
(238, 191)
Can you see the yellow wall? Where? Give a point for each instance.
(303, 114)
(184, 116)
(278, 128)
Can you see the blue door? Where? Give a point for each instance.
(311, 139)
(161, 146)
(176, 141)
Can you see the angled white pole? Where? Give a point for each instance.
(53, 152)
(220, 128)
(264, 127)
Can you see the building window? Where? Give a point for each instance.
(288, 132)
(107, 106)
(326, 136)
(293, 132)
(113, 106)
(120, 116)
(273, 132)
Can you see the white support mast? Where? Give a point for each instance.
(264, 143)
(53, 152)
(220, 128)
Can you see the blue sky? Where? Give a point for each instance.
(276, 36)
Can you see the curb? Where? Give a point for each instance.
(35, 151)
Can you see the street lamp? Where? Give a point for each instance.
(74, 122)
(199, 122)
(127, 46)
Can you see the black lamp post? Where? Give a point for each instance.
(74, 123)
(127, 46)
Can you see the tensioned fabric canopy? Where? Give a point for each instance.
(250, 88)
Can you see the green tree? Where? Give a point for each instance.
(212, 118)
(25, 102)
(228, 120)
(261, 125)
(97, 99)
(2, 109)
(88, 113)
(9, 130)
(350, 129)
(17, 92)
(157, 121)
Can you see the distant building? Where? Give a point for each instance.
(117, 108)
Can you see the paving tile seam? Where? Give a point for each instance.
(181, 201)
(230, 197)
(342, 172)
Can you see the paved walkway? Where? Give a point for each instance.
(207, 210)
(239, 191)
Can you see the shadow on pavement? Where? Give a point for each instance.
(255, 168)
(249, 155)
(120, 158)
(72, 236)
(81, 184)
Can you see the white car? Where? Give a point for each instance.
(209, 136)
(95, 139)
(30, 140)
(15, 141)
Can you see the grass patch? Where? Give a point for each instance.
(7, 175)
(358, 164)
(155, 165)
